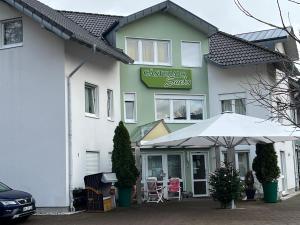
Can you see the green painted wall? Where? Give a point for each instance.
(160, 26)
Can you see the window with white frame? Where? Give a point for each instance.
(191, 54)
(130, 107)
(178, 108)
(149, 51)
(233, 103)
(110, 104)
(11, 33)
(91, 99)
(92, 163)
(241, 161)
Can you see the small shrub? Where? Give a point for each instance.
(249, 181)
(225, 185)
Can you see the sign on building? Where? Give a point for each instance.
(167, 78)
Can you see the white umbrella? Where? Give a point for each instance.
(227, 130)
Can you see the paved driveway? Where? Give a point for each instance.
(190, 212)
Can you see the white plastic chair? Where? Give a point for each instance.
(154, 192)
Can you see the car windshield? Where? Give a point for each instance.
(3, 187)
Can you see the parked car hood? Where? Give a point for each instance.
(14, 194)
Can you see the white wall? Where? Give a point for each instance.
(93, 134)
(32, 115)
(236, 80)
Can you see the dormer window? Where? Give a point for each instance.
(11, 33)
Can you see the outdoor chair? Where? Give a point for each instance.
(174, 188)
(154, 192)
(98, 192)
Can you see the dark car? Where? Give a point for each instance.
(15, 204)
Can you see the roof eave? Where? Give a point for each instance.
(240, 64)
(174, 10)
(63, 33)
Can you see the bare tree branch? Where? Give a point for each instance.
(283, 26)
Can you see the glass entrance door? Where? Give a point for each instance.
(283, 171)
(199, 174)
(163, 167)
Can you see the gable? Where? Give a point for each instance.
(158, 131)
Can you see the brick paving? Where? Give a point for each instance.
(188, 212)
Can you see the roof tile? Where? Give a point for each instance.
(228, 50)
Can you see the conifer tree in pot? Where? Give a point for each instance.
(265, 165)
(123, 164)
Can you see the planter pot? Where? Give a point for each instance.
(250, 193)
(124, 197)
(270, 192)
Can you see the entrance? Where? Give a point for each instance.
(199, 173)
(283, 172)
(163, 166)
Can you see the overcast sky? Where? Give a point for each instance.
(222, 13)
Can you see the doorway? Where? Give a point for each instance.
(283, 172)
(199, 172)
(163, 166)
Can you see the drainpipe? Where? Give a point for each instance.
(84, 61)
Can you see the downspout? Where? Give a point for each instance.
(84, 61)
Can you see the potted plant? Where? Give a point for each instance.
(265, 165)
(123, 164)
(225, 185)
(249, 186)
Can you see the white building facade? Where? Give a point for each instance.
(51, 137)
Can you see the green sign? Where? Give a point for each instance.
(167, 78)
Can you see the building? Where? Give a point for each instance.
(67, 84)
(185, 70)
(59, 94)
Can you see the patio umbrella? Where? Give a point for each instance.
(227, 130)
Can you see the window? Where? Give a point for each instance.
(233, 103)
(12, 33)
(241, 161)
(174, 166)
(92, 163)
(110, 104)
(191, 55)
(91, 105)
(130, 107)
(177, 108)
(148, 51)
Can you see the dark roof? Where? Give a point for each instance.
(61, 25)
(96, 24)
(166, 7)
(226, 50)
(264, 35)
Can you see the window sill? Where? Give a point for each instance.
(196, 67)
(110, 119)
(150, 64)
(93, 116)
(183, 122)
(11, 46)
(131, 122)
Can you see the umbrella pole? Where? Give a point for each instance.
(218, 157)
(231, 159)
(139, 179)
(231, 156)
